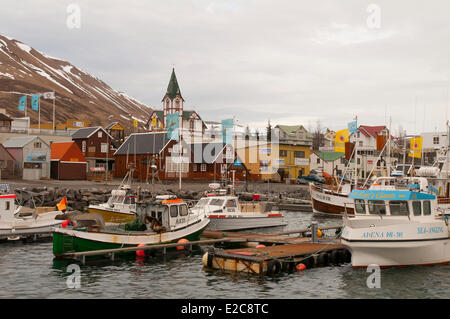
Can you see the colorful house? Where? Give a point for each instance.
(7, 167)
(67, 162)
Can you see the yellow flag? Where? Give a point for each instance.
(135, 123)
(416, 147)
(341, 138)
(154, 121)
(62, 204)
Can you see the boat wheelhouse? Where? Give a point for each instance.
(120, 207)
(396, 228)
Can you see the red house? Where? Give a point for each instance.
(67, 162)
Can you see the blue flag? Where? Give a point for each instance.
(227, 131)
(172, 126)
(35, 102)
(22, 103)
(353, 127)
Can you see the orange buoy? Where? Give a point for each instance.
(300, 267)
(182, 240)
(319, 233)
(140, 253)
(260, 246)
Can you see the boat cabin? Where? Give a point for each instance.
(386, 204)
(7, 205)
(121, 197)
(166, 215)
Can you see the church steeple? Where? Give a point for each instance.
(173, 89)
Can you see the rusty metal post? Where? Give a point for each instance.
(314, 228)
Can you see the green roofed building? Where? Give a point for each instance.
(173, 102)
(330, 162)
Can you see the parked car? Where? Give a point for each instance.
(313, 176)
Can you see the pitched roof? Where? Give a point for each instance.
(289, 129)
(143, 143)
(86, 132)
(5, 117)
(66, 151)
(20, 141)
(173, 89)
(329, 156)
(371, 130)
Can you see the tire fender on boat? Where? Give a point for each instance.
(273, 267)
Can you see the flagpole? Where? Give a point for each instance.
(54, 98)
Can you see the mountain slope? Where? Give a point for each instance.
(78, 94)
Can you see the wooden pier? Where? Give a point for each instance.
(26, 234)
(273, 260)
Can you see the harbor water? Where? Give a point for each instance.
(30, 271)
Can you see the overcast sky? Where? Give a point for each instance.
(293, 62)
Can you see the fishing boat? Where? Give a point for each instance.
(16, 219)
(120, 207)
(227, 213)
(156, 222)
(396, 228)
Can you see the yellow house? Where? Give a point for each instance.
(274, 161)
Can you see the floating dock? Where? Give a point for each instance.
(274, 260)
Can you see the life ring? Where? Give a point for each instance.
(273, 267)
(236, 182)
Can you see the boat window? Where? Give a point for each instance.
(7, 207)
(231, 203)
(173, 211)
(426, 207)
(417, 208)
(377, 207)
(360, 206)
(183, 210)
(216, 202)
(398, 208)
(202, 202)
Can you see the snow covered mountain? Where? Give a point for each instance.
(24, 70)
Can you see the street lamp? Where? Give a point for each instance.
(107, 149)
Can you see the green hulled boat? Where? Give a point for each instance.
(158, 222)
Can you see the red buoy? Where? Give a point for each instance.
(300, 267)
(260, 246)
(182, 240)
(140, 253)
(65, 223)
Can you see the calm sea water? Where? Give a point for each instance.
(29, 271)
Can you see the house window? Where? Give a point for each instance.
(435, 139)
(300, 154)
(194, 167)
(104, 147)
(37, 145)
(203, 168)
(318, 160)
(83, 146)
(100, 134)
(224, 168)
(283, 153)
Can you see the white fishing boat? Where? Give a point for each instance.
(20, 220)
(120, 207)
(396, 228)
(226, 212)
(158, 222)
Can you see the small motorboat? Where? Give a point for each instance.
(22, 220)
(227, 213)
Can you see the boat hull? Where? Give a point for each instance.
(69, 240)
(406, 253)
(330, 203)
(113, 216)
(240, 223)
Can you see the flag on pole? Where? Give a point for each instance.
(62, 204)
(341, 138)
(172, 126)
(35, 102)
(135, 123)
(48, 95)
(353, 127)
(227, 131)
(22, 103)
(416, 147)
